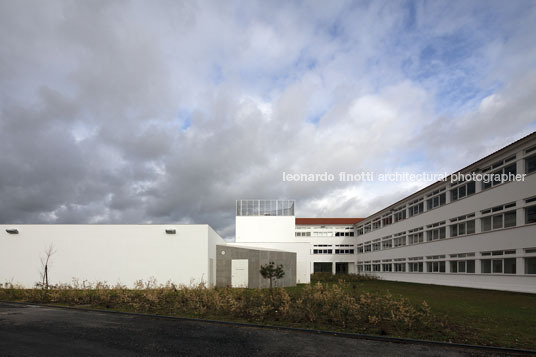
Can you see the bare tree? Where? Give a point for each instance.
(45, 261)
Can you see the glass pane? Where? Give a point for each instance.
(486, 224)
(470, 188)
(470, 227)
(470, 266)
(462, 191)
(453, 267)
(486, 184)
(530, 215)
(510, 219)
(510, 266)
(497, 221)
(510, 170)
(497, 177)
(454, 194)
(486, 266)
(461, 228)
(497, 265)
(530, 164)
(462, 267)
(530, 265)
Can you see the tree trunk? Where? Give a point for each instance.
(46, 277)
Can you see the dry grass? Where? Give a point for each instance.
(317, 305)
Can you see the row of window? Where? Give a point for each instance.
(464, 225)
(498, 171)
(487, 266)
(330, 251)
(324, 234)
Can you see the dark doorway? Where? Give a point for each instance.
(341, 268)
(323, 267)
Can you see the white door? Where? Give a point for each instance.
(239, 273)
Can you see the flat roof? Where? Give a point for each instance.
(328, 221)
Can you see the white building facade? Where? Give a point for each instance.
(468, 233)
(181, 254)
(321, 244)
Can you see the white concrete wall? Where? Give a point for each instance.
(303, 271)
(265, 229)
(213, 240)
(111, 253)
(331, 258)
(488, 281)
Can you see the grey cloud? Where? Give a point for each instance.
(91, 91)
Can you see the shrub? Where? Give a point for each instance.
(318, 305)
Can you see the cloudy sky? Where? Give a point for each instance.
(169, 111)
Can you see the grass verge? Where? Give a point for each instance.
(347, 303)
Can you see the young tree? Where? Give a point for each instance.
(270, 271)
(45, 260)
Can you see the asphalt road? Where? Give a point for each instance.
(47, 331)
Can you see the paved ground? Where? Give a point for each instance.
(43, 331)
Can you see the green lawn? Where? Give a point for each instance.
(486, 317)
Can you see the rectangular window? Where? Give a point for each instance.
(530, 164)
(436, 199)
(416, 238)
(500, 220)
(400, 241)
(497, 265)
(416, 209)
(461, 266)
(435, 234)
(416, 267)
(400, 267)
(453, 267)
(454, 230)
(486, 224)
(486, 266)
(367, 228)
(400, 214)
(510, 266)
(530, 215)
(376, 224)
(462, 191)
(530, 265)
(375, 267)
(497, 221)
(497, 177)
(510, 219)
(471, 266)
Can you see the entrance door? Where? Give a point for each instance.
(239, 273)
(341, 268)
